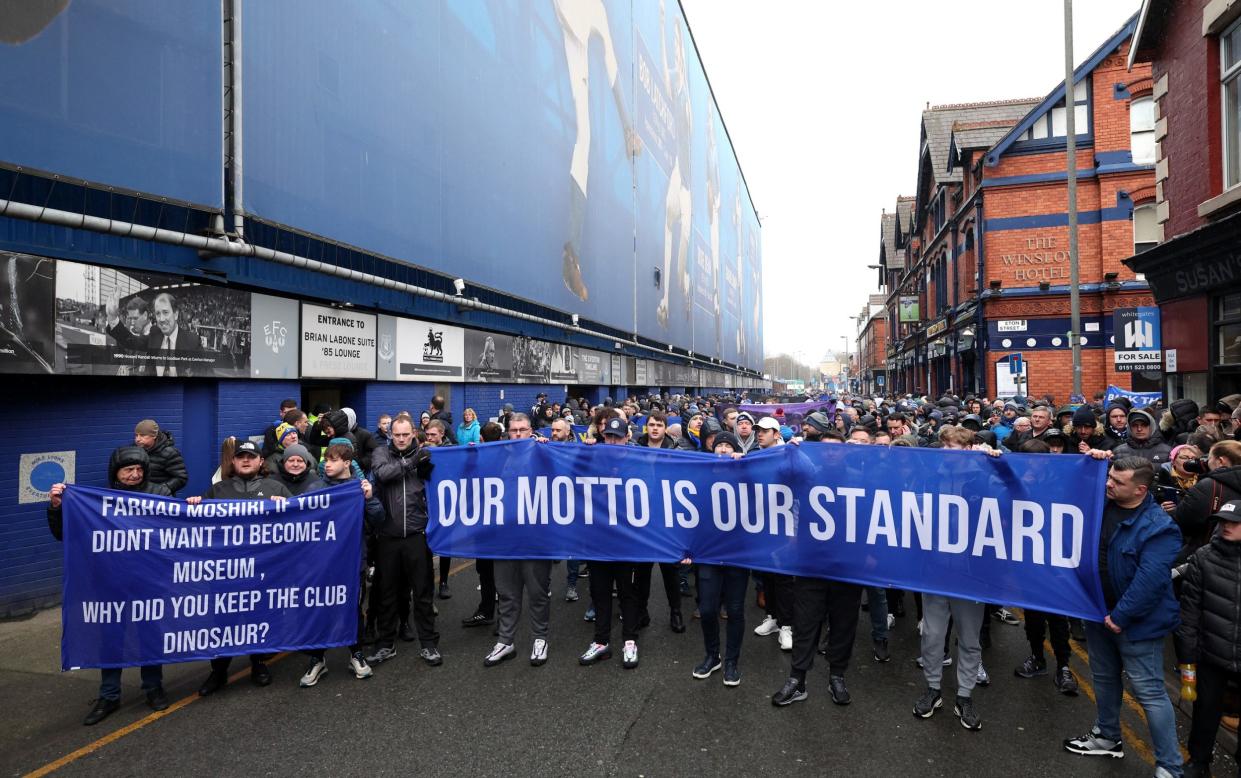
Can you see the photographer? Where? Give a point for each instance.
(1177, 476)
(1213, 489)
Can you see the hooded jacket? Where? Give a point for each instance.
(1140, 555)
(256, 487)
(121, 457)
(372, 508)
(167, 466)
(400, 482)
(469, 433)
(1210, 628)
(1179, 420)
(1153, 449)
(364, 442)
(667, 442)
(1193, 513)
(306, 481)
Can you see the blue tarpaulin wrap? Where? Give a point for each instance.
(1022, 529)
(152, 580)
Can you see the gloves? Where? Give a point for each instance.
(423, 465)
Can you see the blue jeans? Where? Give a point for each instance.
(718, 583)
(110, 681)
(877, 602)
(1142, 661)
(572, 566)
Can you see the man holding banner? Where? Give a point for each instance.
(247, 483)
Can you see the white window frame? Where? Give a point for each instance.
(1231, 135)
(1148, 244)
(1148, 133)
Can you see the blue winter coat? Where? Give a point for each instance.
(468, 433)
(1140, 555)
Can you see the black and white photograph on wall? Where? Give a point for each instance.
(129, 323)
(563, 369)
(27, 298)
(488, 357)
(531, 360)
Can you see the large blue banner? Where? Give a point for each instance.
(1021, 529)
(152, 580)
(1139, 399)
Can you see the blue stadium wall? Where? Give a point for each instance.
(406, 177)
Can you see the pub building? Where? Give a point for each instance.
(986, 255)
(1194, 271)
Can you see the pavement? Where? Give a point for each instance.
(559, 719)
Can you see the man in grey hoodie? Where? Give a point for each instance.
(1144, 439)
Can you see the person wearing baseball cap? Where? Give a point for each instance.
(1209, 627)
(767, 430)
(246, 483)
(625, 576)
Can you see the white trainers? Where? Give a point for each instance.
(630, 655)
(786, 638)
(891, 621)
(317, 670)
(769, 627)
(538, 654)
(499, 653)
(982, 678)
(360, 668)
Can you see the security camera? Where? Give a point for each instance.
(459, 285)
(575, 320)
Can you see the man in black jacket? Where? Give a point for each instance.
(247, 483)
(167, 466)
(1208, 635)
(127, 471)
(402, 557)
(657, 437)
(437, 412)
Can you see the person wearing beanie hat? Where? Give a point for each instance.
(1144, 439)
(167, 466)
(1086, 436)
(296, 469)
(128, 469)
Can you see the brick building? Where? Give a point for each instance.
(984, 251)
(1192, 50)
(872, 346)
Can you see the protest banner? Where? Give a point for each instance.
(1139, 399)
(790, 414)
(153, 580)
(1021, 529)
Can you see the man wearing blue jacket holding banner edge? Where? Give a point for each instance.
(1137, 545)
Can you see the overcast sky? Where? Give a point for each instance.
(823, 102)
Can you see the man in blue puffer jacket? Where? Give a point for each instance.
(1138, 543)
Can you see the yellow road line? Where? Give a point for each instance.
(1126, 732)
(128, 729)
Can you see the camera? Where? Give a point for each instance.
(1198, 466)
(1168, 494)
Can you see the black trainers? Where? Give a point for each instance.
(1094, 744)
(260, 675)
(1033, 667)
(677, 621)
(709, 664)
(930, 701)
(431, 655)
(882, 654)
(477, 620)
(840, 693)
(792, 691)
(1066, 682)
(445, 593)
(215, 682)
(966, 714)
(102, 710)
(157, 700)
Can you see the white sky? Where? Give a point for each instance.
(823, 101)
